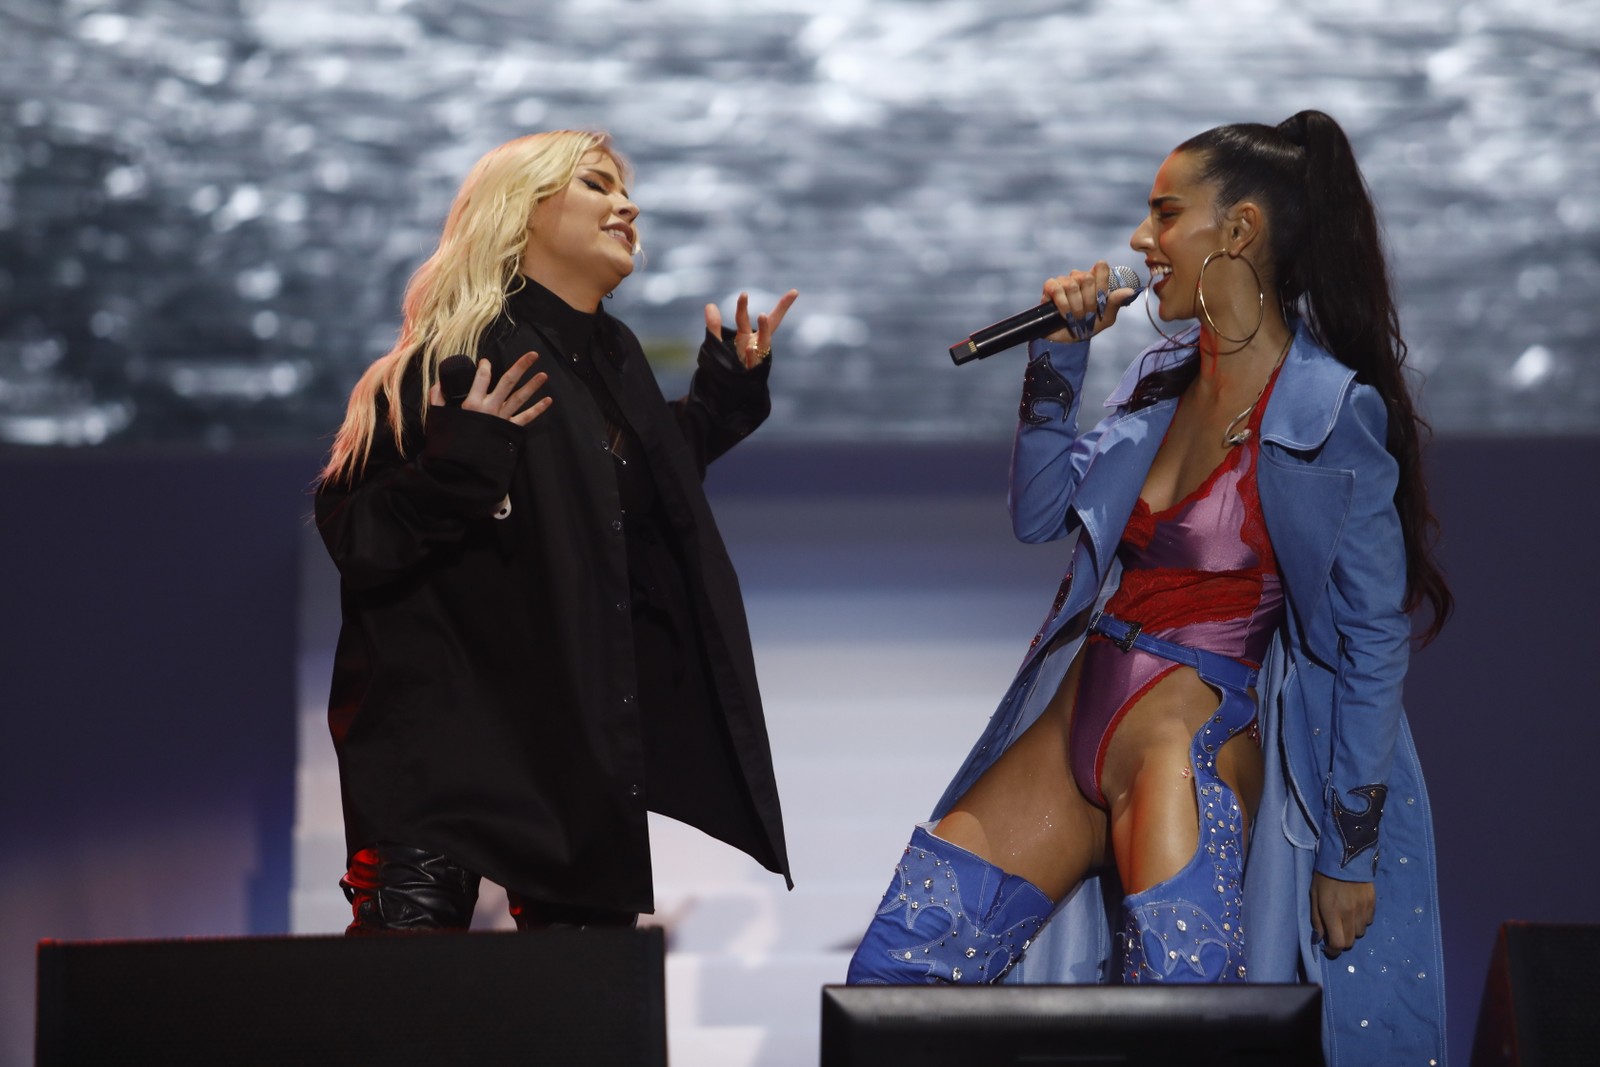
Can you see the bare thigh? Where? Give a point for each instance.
(1026, 813)
(1149, 785)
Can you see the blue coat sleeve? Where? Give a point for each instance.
(1367, 582)
(1050, 456)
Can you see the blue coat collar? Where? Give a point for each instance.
(1304, 404)
(1310, 391)
(1157, 357)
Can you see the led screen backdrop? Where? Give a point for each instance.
(208, 210)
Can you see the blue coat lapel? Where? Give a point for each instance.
(1105, 498)
(1305, 402)
(1111, 485)
(1305, 516)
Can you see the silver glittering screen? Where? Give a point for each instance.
(208, 211)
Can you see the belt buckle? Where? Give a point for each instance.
(1125, 642)
(1129, 636)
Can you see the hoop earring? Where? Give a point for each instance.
(1205, 313)
(1149, 299)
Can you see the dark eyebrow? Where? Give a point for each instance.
(1157, 201)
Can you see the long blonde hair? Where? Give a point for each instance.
(454, 296)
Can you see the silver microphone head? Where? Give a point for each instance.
(1126, 278)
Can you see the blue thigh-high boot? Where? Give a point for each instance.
(948, 917)
(1190, 927)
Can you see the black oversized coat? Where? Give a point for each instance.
(483, 702)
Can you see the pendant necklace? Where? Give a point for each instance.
(1229, 436)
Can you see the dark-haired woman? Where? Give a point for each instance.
(1219, 677)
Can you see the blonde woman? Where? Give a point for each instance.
(543, 637)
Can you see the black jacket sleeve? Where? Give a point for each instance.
(407, 501)
(726, 400)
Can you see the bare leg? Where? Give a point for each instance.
(1026, 814)
(1148, 783)
(966, 900)
(1179, 831)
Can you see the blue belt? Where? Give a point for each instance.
(1211, 666)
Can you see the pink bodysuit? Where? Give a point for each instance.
(1200, 573)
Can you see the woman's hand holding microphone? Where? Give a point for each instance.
(1086, 300)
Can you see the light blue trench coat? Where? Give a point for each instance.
(1332, 721)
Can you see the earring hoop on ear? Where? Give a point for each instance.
(1205, 313)
(1151, 298)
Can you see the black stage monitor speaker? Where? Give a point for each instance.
(561, 998)
(1541, 1003)
(1060, 1025)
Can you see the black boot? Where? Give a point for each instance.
(396, 888)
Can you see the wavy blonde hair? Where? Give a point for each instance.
(454, 296)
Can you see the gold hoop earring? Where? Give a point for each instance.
(1205, 313)
(1151, 298)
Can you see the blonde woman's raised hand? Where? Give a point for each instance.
(507, 400)
(752, 346)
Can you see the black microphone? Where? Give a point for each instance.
(455, 378)
(1038, 321)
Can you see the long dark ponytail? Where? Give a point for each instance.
(1329, 268)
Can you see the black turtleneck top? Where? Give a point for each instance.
(582, 343)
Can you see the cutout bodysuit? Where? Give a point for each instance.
(1200, 573)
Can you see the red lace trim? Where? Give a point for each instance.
(1164, 600)
(1143, 522)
